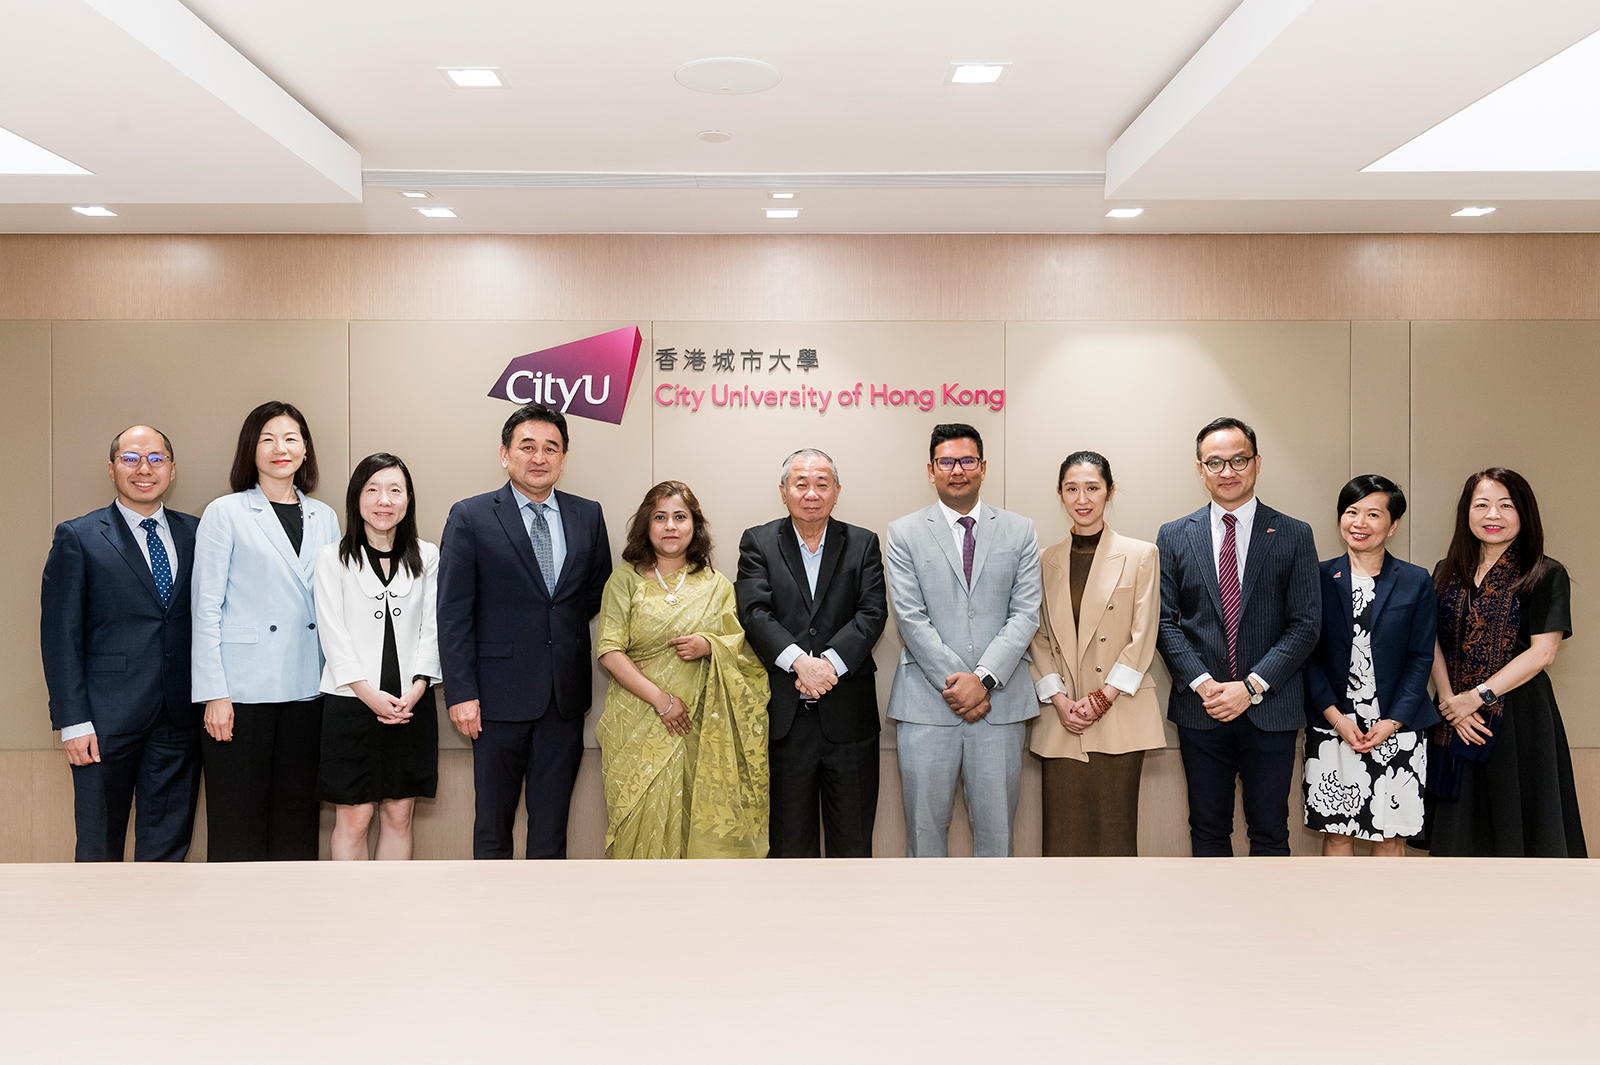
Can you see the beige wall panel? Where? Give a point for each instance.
(1380, 409)
(195, 381)
(420, 390)
(731, 456)
(26, 526)
(1521, 395)
(1500, 275)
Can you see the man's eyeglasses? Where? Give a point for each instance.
(131, 459)
(1238, 462)
(966, 462)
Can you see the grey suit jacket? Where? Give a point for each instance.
(948, 628)
(1280, 615)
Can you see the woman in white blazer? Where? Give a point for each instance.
(256, 659)
(376, 594)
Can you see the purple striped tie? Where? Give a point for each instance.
(968, 543)
(1228, 585)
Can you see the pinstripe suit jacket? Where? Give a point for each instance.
(1280, 615)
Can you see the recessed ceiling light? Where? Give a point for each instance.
(435, 212)
(1125, 212)
(474, 77)
(1473, 212)
(783, 212)
(96, 212)
(20, 156)
(783, 195)
(416, 194)
(977, 73)
(714, 136)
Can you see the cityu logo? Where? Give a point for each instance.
(589, 378)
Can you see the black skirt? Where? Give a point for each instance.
(364, 760)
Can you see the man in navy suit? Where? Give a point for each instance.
(1241, 609)
(521, 572)
(114, 631)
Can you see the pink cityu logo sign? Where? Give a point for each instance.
(589, 378)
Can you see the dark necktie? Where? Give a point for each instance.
(160, 565)
(543, 548)
(967, 545)
(1228, 586)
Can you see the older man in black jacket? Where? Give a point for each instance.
(812, 602)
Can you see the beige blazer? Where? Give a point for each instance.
(1115, 644)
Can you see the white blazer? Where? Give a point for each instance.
(255, 638)
(351, 601)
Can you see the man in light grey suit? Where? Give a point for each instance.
(964, 579)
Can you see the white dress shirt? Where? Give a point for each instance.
(812, 560)
(1246, 513)
(552, 518)
(164, 531)
(959, 535)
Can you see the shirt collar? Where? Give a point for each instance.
(133, 518)
(802, 539)
(1246, 513)
(951, 516)
(523, 502)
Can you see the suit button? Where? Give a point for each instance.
(1102, 639)
(969, 647)
(813, 632)
(272, 628)
(312, 625)
(1097, 669)
(1111, 606)
(377, 613)
(395, 612)
(972, 613)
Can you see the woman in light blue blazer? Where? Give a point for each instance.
(257, 662)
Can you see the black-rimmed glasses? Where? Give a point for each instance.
(966, 462)
(1238, 462)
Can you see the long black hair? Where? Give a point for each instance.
(354, 542)
(1466, 550)
(244, 473)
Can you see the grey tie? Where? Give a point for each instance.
(539, 533)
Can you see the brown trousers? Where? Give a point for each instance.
(1092, 808)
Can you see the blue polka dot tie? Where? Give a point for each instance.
(160, 565)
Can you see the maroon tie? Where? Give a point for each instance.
(968, 543)
(1228, 585)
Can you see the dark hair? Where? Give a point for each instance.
(639, 552)
(534, 412)
(1219, 424)
(954, 431)
(244, 474)
(1365, 485)
(1086, 458)
(406, 544)
(116, 441)
(1466, 550)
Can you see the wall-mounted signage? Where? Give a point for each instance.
(588, 378)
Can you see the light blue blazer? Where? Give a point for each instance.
(255, 624)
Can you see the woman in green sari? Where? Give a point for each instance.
(683, 740)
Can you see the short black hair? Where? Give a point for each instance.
(244, 474)
(1363, 486)
(1219, 424)
(1086, 458)
(947, 431)
(116, 441)
(534, 412)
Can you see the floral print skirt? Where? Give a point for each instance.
(1368, 796)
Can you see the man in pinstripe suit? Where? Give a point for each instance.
(1241, 609)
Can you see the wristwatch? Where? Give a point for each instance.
(989, 681)
(1489, 697)
(1255, 696)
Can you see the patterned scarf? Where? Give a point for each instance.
(1478, 634)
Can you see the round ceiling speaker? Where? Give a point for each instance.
(714, 136)
(728, 77)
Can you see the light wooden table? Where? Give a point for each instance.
(1027, 959)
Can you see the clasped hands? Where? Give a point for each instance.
(1076, 716)
(1362, 742)
(966, 697)
(1224, 700)
(1461, 712)
(390, 709)
(814, 676)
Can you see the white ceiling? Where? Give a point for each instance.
(1266, 128)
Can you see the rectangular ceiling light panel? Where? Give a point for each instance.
(1546, 120)
(475, 77)
(20, 156)
(977, 73)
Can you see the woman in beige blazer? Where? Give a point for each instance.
(1091, 663)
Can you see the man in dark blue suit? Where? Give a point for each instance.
(1241, 609)
(521, 572)
(114, 631)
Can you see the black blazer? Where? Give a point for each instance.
(1405, 621)
(112, 654)
(848, 614)
(504, 638)
(1280, 615)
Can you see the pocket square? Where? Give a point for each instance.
(1339, 574)
(1272, 530)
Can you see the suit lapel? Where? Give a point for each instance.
(1056, 581)
(1341, 580)
(940, 531)
(121, 538)
(572, 532)
(272, 529)
(833, 546)
(789, 548)
(1388, 577)
(1200, 545)
(985, 536)
(183, 539)
(508, 508)
(1263, 542)
(1104, 573)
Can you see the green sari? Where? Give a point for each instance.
(704, 795)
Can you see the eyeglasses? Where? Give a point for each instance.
(1238, 462)
(966, 462)
(131, 459)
